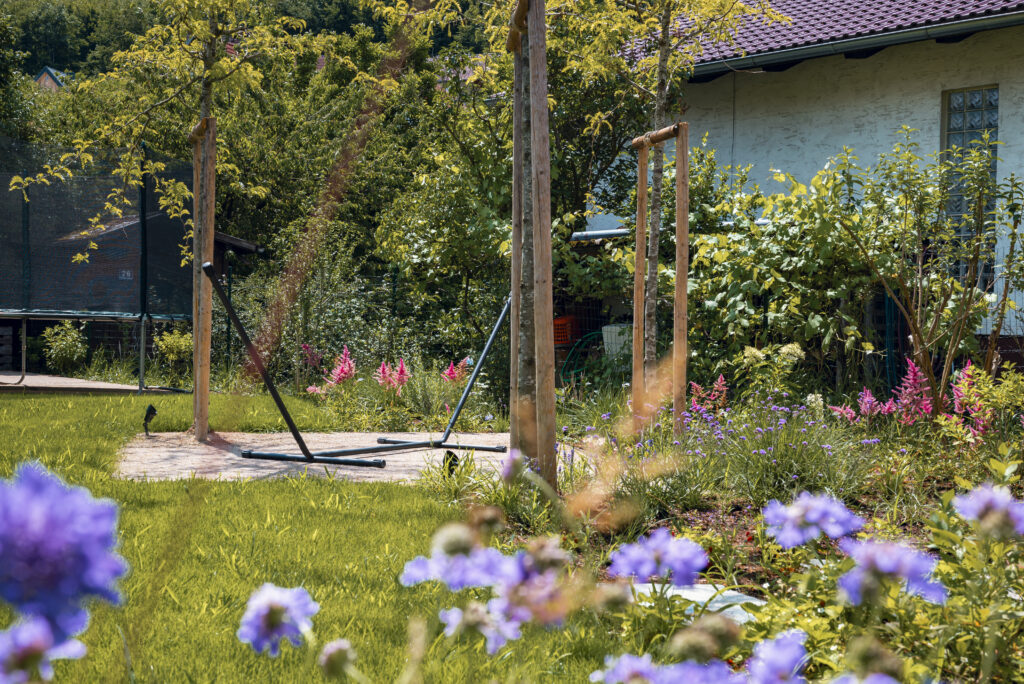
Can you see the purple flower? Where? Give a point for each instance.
(56, 549)
(481, 567)
(878, 561)
(491, 620)
(606, 416)
(873, 678)
(513, 465)
(27, 648)
(626, 669)
(660, 555)
(779, 660)
(631, 669)
(807, 518)
(274, 613)
(994, 507)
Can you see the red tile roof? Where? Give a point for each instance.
(817, 22)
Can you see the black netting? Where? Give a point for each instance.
(41, 276)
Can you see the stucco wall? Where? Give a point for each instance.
(795, 120)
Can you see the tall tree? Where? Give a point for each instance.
(647, 48)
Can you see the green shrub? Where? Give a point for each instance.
(65, 348)
(174, 350)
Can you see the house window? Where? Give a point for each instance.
(970, 112)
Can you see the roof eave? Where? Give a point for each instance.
(873, 42)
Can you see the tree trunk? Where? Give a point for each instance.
(654, 230)
(527, 330)
(204, 203)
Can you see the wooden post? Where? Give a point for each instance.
(638, 386)
(518, 105)
(543, 304)
(680, 348)
(204, 149)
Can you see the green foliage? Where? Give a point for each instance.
(174, 350)
(66, 347)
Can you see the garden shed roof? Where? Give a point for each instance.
(857, 28)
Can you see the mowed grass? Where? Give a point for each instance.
(198, 549)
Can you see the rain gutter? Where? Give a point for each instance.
(960, 27)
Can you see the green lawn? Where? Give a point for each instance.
(198, 549)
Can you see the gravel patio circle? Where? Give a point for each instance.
(176, 455)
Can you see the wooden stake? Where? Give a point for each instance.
(680, 348)
(518, 104)
(204, 174)
(543, 305)
(640, 262)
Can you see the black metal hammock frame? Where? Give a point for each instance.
(342, 457)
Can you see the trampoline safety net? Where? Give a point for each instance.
(135, 268)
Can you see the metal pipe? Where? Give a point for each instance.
(476, 370)
(590, 235)
(444, 445)
(269, 456)
(257, 361)
(143, 274)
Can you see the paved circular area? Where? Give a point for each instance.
(176, 455)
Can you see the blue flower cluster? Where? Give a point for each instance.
(274, 613)
(57, 549)
(27, 649)
(807, 518)
(660, 554)
(526, 585)
(880, 561)
(992, 506)
(775, 661)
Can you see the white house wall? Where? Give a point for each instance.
(795, 120)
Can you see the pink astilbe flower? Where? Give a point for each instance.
(867, 403)
(967, 402)
(710, 400)
(455, 373)
(344, 369)
(888, 408)
(311, 356)
(392, 378)
(401, 376)
(315, 389)
(384, 376)
(912, 400)
(846, 412)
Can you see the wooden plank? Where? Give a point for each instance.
(518, 105)
(655, 137)
(540, 154)
(680, 347)
(638, 384)
(204, 174)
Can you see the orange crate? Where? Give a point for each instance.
(566, 329)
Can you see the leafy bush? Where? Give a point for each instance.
(65, 348)
(174, 349)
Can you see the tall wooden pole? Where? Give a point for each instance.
(543, 308)
(680, 348)
(518, 105)
(204, 159)
(639, 384)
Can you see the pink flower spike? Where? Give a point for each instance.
(867, 403)
(384, 375)
(450, 375)
(401, 375)
(846, 412)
